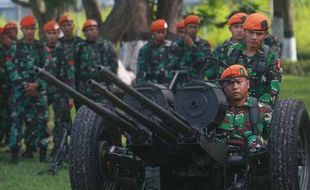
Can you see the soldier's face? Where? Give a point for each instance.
(12, 33)
(91, 33)
(254, 38)
(29, 32)
(192, 30)
(6, 41)
(237, 31)
(67, 28)
(51, 37)
(160, 35)
(181, 32)
(236, 89)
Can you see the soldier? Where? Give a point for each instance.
(273, 43)
(261, 62)
(7, 51)
(28, 92)
(57, 65)
(152, 59)
(91, 53)
(247, 121)
(191, 53)
(11, 29)
(235, 24)
(180, 29)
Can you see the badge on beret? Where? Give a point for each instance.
(264, 25)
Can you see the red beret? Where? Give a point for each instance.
(234, 71)
(237, 18)
(159, 24)
(192, 19)
(89, 23)
(28, 21)
(50, 26)
(256, 21)
(1, 30)
(10, 25)
(65, 18)
(180, 24)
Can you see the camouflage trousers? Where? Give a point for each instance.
(5, 121)
(62, 117)
(34, 112)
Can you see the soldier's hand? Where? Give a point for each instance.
(71, 103)
(188, 40)
(31, 88)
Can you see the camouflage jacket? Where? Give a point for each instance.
(193, 60)
(90, 55)
(273, 44)
(237, 126)
(57, 64)
(153, 63)
(264, 70)
(69, 47)
(21, 68)
(5, 55)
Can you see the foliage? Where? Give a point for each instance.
(301, 68)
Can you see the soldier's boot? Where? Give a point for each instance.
(14, 155)
(43, 152)
(29, 152)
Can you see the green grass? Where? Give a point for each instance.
(25, 174)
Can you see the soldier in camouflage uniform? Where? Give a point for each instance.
(152, 59)
(7, 51)
(90, 54)
(57, 65)
(235, 24)
(180, 29)
(191, 53)
(261, 62)
(10, 28)
(28, 92)
(274, 44)
(237, 124)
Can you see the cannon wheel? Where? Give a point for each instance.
(290, 146)
(91, 138)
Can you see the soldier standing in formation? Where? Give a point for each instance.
(90, 54)
(10, 28)
(180, 29)
(57, 65)
(28, 93)
(152, 60)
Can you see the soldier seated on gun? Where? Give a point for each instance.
(247, 121)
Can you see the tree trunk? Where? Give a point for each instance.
(289, 42)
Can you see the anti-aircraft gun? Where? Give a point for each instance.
(112, 143)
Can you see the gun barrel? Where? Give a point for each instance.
(100, 110)
(175, 123)
(147, 122)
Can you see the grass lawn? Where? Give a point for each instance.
(25, 175)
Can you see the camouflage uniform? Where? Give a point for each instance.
(193, 60)
(5, 55)
(88, 56)
(264, 70)
(153, 63)
(237, 125)
(57, 65)
(21, 70)
(273, 44)
(69, 47)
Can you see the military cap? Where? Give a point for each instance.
(256, 21)
(89, 23)
(159, 24)
(10, 25)
(65, 18)
(192, 19)
(50, 26)
(234, 71)
(237, 18)
(180, 24)
(28, 20)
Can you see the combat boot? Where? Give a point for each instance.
(14, 155)
(29, 152)
(43, 152)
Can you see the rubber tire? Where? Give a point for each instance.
(87, 130)
(289, 127)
